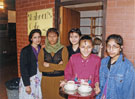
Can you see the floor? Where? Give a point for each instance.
(8, 71)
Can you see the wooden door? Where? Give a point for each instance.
(68, 19)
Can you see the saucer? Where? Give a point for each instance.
(70, 92)
(84, 91)
(70, 87)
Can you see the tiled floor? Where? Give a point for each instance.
(8, 71)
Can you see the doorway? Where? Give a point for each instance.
(88, 15)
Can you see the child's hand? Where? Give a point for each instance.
(46, 64)
(97, 89)
(61, 62)
(101, 46)
(100, 50)
(62, 83)
(28, 89)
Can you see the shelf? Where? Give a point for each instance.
(92, 26)
(98, 35)
(89, 34)
(90, 17)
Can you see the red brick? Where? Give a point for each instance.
(51, 0)
(129, 55)
(36, 3)
(111, 3)
(129, 43)
(50, 5)
(33, 0)
(120, 20)
(41, 7)
(44, 1)
(24, 1)
(129, 36)
(110, 29)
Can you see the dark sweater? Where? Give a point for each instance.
(71, 51)
(53, 59)
(28, 64)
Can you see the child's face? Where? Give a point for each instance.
(113, 48)
(85, 48)
(36, 38)
(52, 38)
(74, 38)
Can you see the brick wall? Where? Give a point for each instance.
(121, 20)
(22, 7)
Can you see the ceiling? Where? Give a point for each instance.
(86, 6)
(10, 4)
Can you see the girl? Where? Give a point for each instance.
(117, 75)
(52, 61)
(97, 46)
(74, 37)
(30, 76)
(84, 66)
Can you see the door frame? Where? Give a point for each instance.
(58, 4)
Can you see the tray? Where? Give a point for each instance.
(76, 93)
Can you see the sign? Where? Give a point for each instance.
(40, 19)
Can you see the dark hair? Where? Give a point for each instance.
(118, 39)
(97, 41)
(52, 30)
(32, 32)
(85, 37)
(76, 30)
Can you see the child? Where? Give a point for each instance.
(84, 66)
(30, 76)
(52, 61)
(97, 46)
(74, 37)
(117, 75)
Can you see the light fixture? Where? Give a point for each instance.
(1, 5)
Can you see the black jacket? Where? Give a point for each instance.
(71, 51)
(28, 64)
